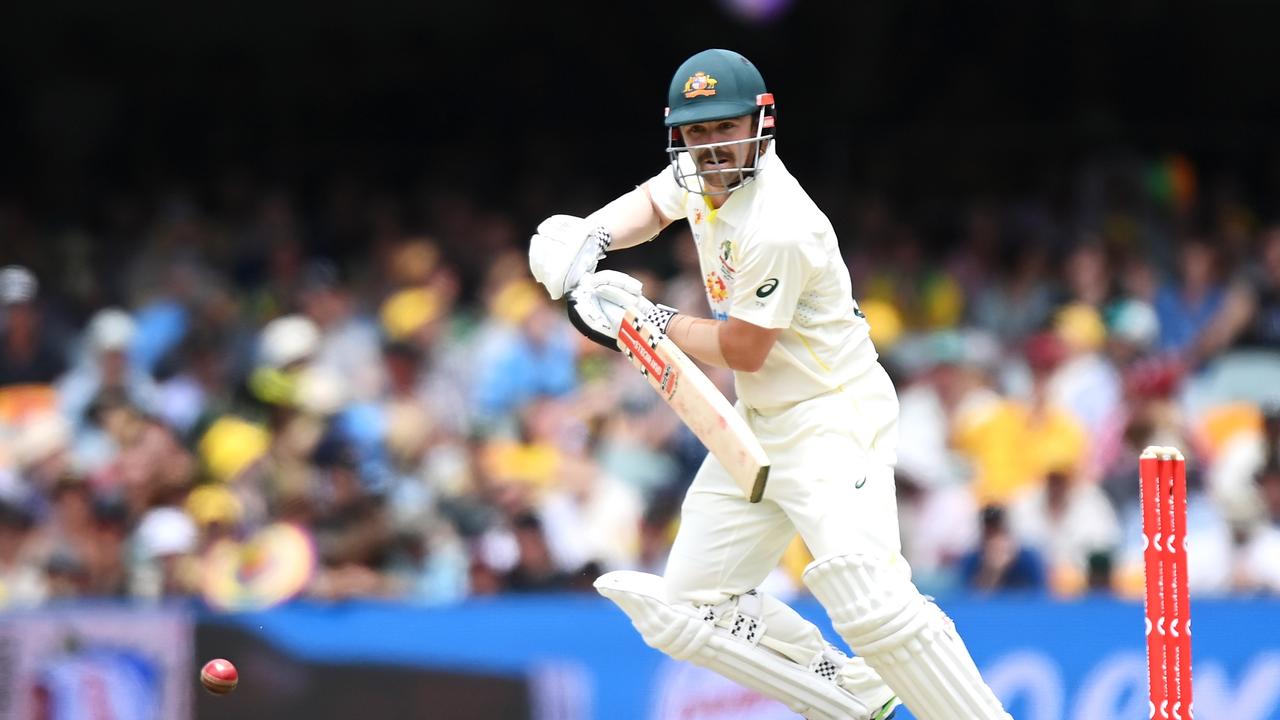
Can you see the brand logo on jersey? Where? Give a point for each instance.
(717, 290)
(700, 84)
(697, 216)
(766, 289)
(861, 481)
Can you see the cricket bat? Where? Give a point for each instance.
(697, 401)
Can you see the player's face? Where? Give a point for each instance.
(719, 165)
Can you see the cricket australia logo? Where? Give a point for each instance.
(726, 255)
(717, 290)
(700, 84)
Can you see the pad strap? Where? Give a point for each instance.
(903, 636)
(726, 638)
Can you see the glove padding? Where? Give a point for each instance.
(563, 250)
(599, 303)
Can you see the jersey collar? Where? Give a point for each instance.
(737, 208)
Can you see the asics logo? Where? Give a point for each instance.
(766, 289)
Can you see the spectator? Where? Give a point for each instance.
(1020, 299)
(106, 556)
(464, 437)
(1187, 304)
(31, 350)
(534, 569)
(68, 528)
(66, 578)
(535, 356)
(657, 532)
(105, 371)
(353, 533)
(1087, 274)
(1233, 476)
(1012, 443)
(1070, 524)
(163, 562)
(22, 580)
(939, 525)
(1250, 313)
(593, 518)
(42, 455)
(1084, 382)
(1261, 552)
(1000, 562)
(348, 345)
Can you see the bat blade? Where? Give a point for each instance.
(697, 402)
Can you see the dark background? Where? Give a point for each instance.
(990, 95)
(923, 99)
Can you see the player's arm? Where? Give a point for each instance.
(1231, 320)
(632, 219)
(735, 344)
(599, 302)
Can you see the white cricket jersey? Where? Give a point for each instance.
(770, 257)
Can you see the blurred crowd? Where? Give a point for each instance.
(243, 407)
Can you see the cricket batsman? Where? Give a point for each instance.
(809, 385)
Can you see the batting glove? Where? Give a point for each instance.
(564, 250)
(599, 303)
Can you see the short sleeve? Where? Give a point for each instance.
(770, 279)
(667, 195)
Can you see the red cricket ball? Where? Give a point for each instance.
(219, 676)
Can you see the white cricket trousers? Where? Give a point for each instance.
(831, 479)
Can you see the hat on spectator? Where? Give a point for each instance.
(405, 312)
(288, 340)
(885, 321)
(1080, 326)
(1044, 351)
(320, 391)
(39, 437)
(111, 329)
(230, 445)
(1134, 321)
(415, 260)
(515, 301)
(209, 504)
(408, 428)
(968, 347)
(17, 285)
(165, 531)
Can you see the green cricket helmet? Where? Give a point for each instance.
(716, 85)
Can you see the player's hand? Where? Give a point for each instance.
(596, 318)
(563, 250)
(623, 290)
(601, 300)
